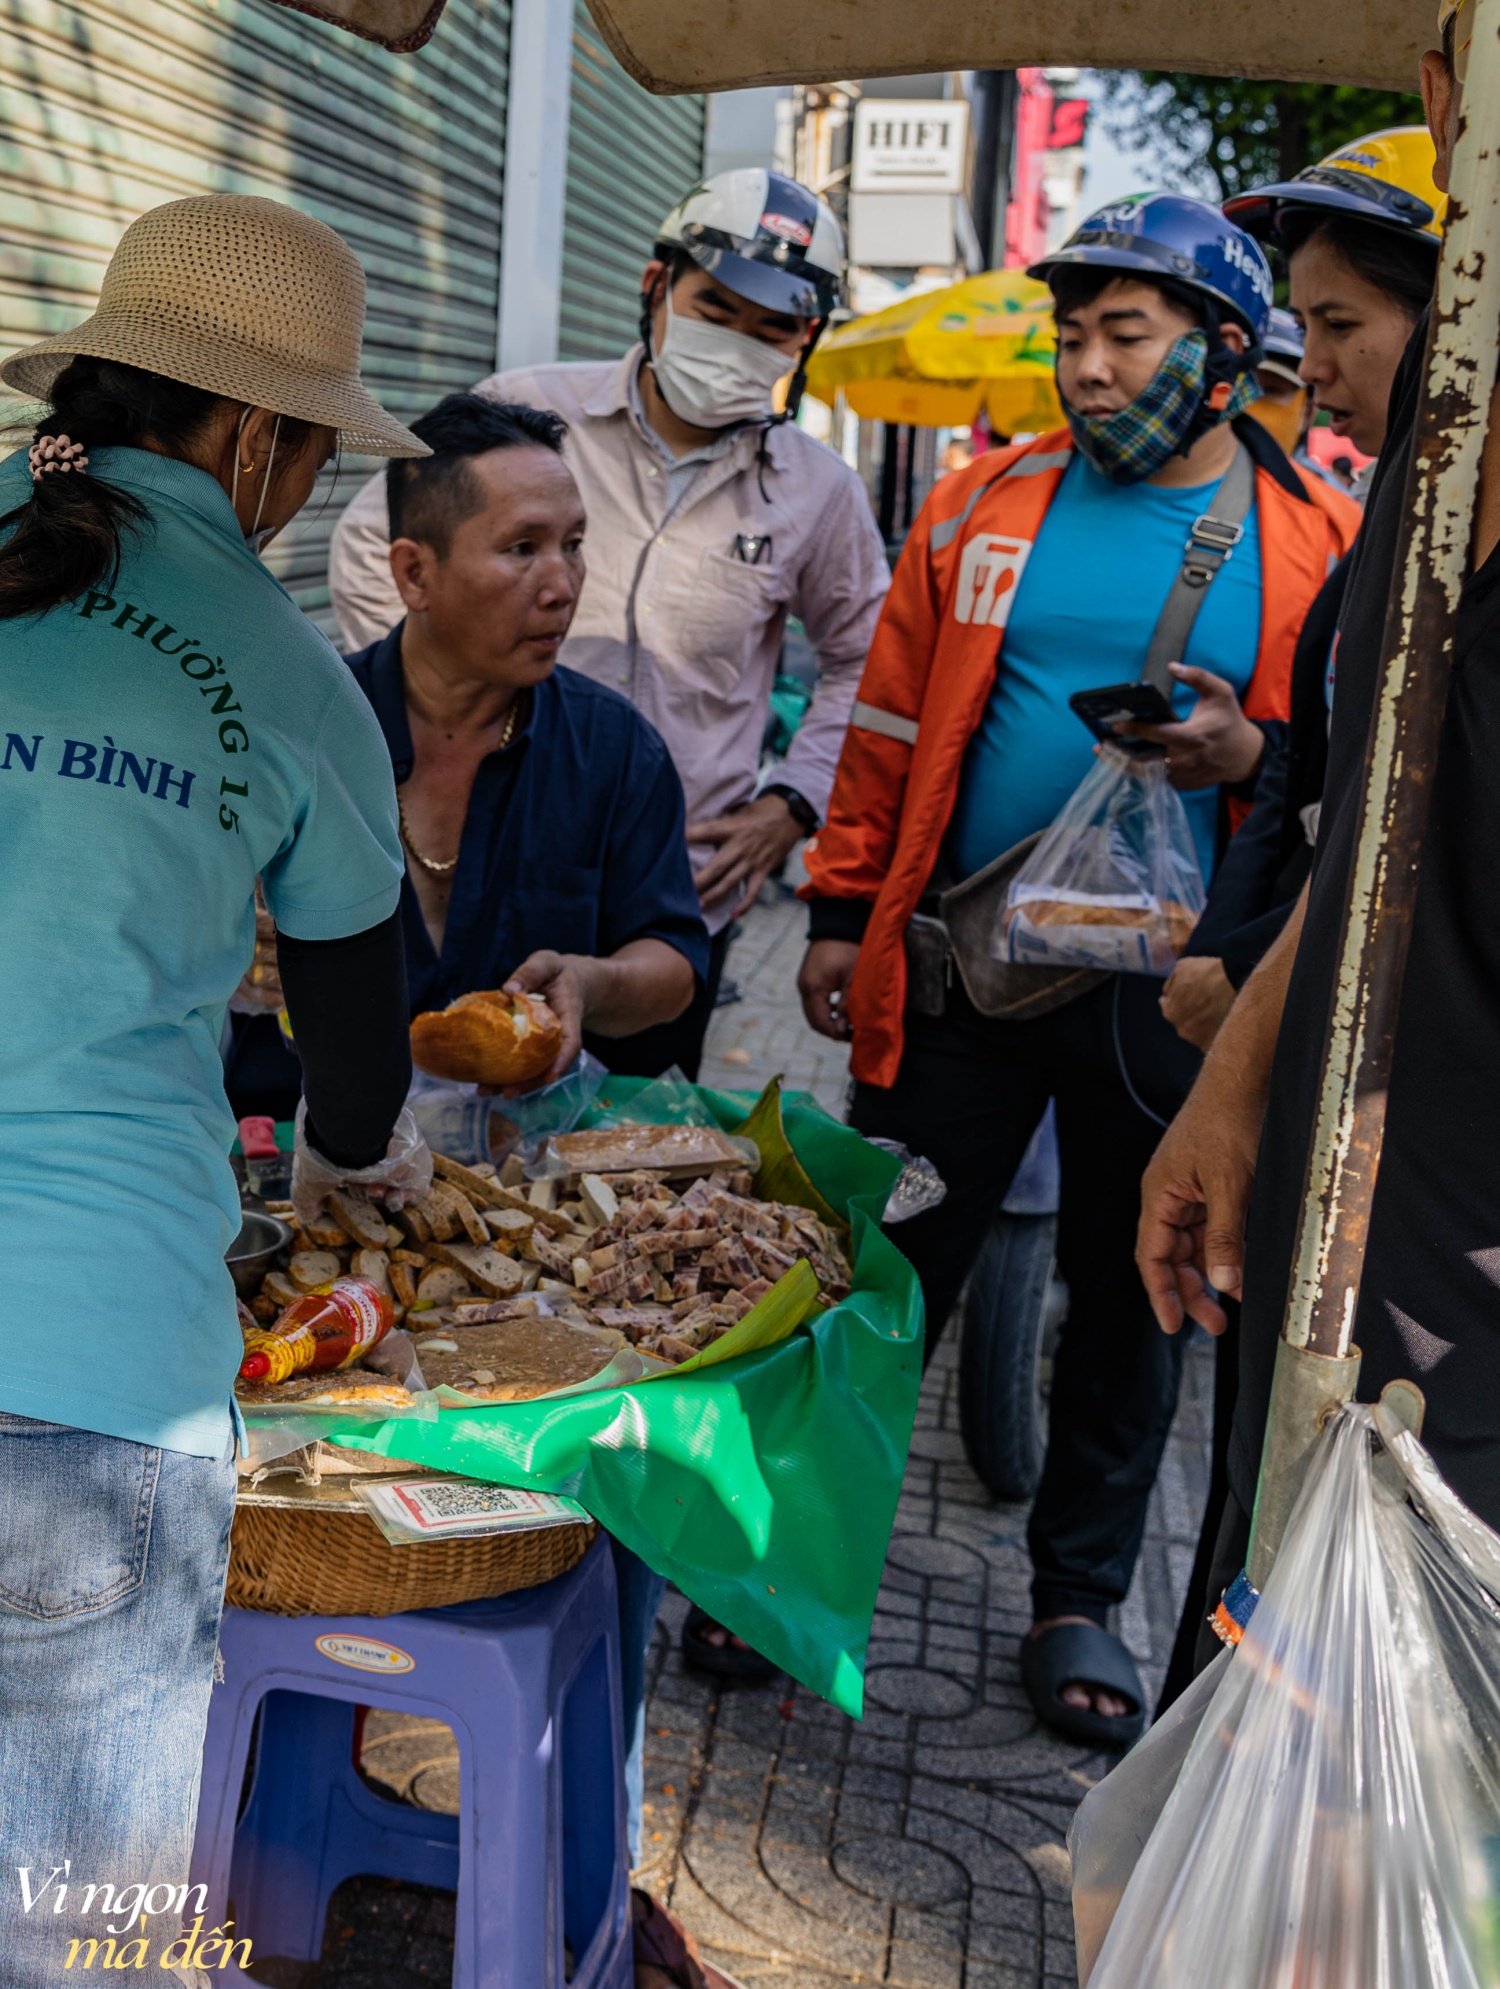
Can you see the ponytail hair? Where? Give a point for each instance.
(66, 539)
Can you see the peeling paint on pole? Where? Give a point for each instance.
(1406, 727)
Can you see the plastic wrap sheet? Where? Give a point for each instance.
(1336, 1821)
(765, 1485)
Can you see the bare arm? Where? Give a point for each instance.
(1195, 1194)
(644, 983)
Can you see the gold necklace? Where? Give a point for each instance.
(428, 863)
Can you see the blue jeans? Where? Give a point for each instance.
(112, 1564)
(639, 1590)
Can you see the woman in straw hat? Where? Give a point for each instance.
(171, 729)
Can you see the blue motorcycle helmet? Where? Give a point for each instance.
(1186, 245)
(1283, 338)
(1204, 263)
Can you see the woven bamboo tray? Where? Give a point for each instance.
(308, 1563)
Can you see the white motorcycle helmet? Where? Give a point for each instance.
(770, 240)
(766, 237)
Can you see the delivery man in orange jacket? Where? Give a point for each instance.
(1053, 561)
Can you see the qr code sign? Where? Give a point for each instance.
(436, 1503)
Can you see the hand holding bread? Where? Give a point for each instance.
(497, 1038)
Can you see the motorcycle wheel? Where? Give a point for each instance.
(1004, 1355)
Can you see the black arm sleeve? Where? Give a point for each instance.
(349, 1013)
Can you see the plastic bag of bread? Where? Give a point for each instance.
(1114, 883)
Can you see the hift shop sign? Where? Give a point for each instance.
(909, 147)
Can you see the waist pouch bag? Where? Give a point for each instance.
(959, 938)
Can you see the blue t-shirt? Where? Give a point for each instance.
(1088, 600)
(161, 745)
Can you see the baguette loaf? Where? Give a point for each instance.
(487, 1038)
(1040, 912)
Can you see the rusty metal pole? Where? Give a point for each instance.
(1316, 1360)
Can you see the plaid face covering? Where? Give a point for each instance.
(1136, 441)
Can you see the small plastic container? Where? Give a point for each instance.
(268, 1171)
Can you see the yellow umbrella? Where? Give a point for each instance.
(938, 358)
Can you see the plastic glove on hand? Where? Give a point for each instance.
(403, 1176)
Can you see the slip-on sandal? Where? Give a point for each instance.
(729, 1660)
(1083, 1654)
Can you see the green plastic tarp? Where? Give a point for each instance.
(765, 1486)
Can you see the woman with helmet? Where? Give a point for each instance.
(1043, 570)
(174, 730)
(1360, 234)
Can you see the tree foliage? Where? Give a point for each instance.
(1224, 132)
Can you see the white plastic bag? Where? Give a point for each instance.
(1114, 882)
(1336, 1822)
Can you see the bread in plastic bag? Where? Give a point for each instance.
(1336, 1821)
(1114, 883)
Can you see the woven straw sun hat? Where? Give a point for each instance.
(241, 296)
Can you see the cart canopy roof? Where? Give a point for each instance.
(708, 45)
(731, 44)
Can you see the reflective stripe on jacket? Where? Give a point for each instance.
(932, 667)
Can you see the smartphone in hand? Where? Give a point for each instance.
(1121, 704)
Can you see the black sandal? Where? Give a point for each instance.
(1083, 1654)
(727, 1660)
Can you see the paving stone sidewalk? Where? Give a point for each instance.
(922, 1847)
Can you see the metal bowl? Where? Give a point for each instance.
(249, 1256)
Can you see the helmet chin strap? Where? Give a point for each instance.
(798, 385)
(1222, 369)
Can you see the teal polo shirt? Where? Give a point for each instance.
(164, 740)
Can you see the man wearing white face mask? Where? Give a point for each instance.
(712, 517)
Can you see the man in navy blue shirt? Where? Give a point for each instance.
(541, 816)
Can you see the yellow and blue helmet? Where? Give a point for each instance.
(1385, 178)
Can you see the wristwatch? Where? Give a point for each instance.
(800, 808)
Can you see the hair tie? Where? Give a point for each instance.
(55, 452)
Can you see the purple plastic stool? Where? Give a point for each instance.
(530, 1685)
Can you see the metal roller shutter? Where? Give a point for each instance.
(631, 156)
(108, 107)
